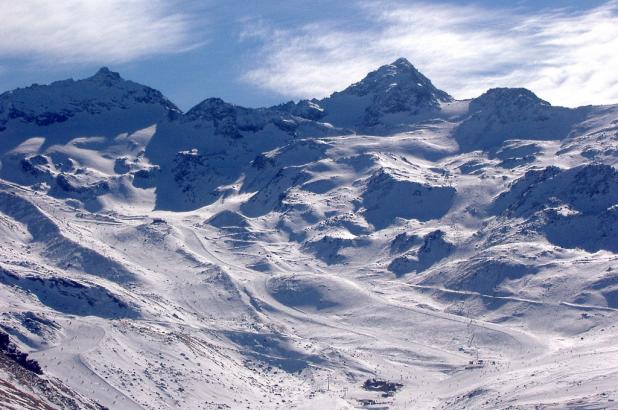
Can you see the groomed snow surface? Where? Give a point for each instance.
(460, 253)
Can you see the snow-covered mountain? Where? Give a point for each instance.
(385, 247)
(393, 93)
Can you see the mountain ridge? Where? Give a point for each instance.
(384, 79)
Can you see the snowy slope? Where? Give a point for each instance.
(462, 252)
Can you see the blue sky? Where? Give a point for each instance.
(258, 53)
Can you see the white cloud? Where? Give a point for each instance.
(91, 31)
(566, 57)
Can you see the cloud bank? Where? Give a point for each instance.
(91, 31)
(566, 57)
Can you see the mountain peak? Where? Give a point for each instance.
(105, 73)
(211, 108)
(398, 77)
(101, 93)
(402, 62)
(393, 88)
(501, 114)
(518, 96)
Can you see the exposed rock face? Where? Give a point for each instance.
(585, 189)
(574, 208)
